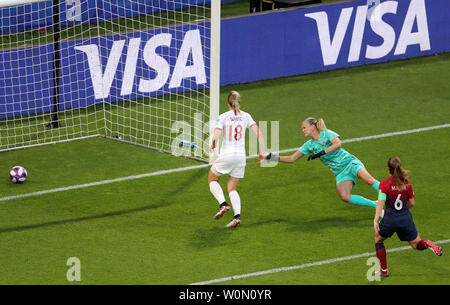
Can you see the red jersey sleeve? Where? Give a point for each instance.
(383, 186)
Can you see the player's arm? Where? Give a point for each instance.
(378, 210)
(285, 159)
(260, 137)
(335, 145)
(215, 139)
(411, 195)
(292, 158)
(411, 202)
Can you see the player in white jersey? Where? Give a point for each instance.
(231, 160)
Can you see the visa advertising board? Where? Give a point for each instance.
(254, 47)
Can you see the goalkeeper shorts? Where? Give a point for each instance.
(350, 172)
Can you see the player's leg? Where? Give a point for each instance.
(346, 181)
(364, 175)
(344, 189)
(216, 190)
(236, 173)
(234, 195)
(421, 244)
(235, 201)
(381, 254)
(417, 243)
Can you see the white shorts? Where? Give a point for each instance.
(229, 164)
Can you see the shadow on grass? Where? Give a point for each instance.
(321, 224)
(211, 237)
(220, 236)
(168, 200)
(314, 225)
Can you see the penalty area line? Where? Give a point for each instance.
(182, 169)
(303, 266)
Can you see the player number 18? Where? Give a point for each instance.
(237, 133)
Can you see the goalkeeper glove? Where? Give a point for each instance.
(272, 157)
(315, 156)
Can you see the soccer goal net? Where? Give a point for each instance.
(135, 71)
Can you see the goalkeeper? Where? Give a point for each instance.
(326, 145)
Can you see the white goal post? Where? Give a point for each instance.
(142, 72)
(215, 71)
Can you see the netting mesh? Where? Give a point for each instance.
(132, 70)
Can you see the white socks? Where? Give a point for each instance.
(217, 192)
(235, 202)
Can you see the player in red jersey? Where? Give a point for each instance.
(397, 194)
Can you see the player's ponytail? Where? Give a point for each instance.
(398, 173)
(319, 123)
(234, 100)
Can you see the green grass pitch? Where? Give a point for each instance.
(160, 229)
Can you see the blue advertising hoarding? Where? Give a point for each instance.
(134, 67)
(105, 69)
(329, 37)
(256, 47)
(26, 84)
(39, 15)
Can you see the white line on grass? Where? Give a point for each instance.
(79, 186)
(383, 135)
(328, 261)
(182, 169)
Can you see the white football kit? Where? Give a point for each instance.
(232, 157)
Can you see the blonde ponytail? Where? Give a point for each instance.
(234, 100)
(319, 123)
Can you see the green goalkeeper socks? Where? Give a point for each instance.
(359, 200)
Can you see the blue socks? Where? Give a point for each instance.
(359, 200)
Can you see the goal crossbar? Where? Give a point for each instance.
(8, 3)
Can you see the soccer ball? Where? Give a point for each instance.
(18, 174)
